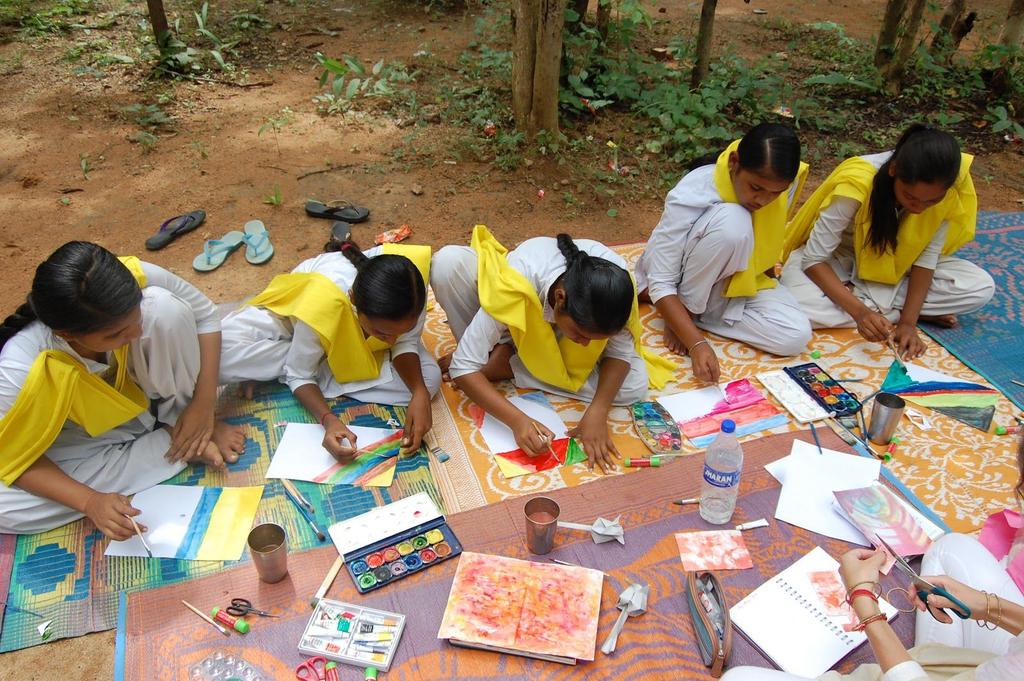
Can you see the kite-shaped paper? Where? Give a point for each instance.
(966, 402)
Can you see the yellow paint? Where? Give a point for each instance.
(230, 523)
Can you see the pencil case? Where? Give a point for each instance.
(710, 615)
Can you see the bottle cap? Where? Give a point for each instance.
(728, 426)
(371, 673)
(241, 626)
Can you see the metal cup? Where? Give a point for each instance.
(886, 412)
(269, 552)
(541, 523)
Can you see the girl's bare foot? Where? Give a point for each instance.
(224, 447)
(673, 343)
(946, 321)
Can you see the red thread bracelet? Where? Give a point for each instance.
(857, 592)
(329, 413)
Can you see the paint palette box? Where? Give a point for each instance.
(824, 389)
(391, 542)
(352, 634)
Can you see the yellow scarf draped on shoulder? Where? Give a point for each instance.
(59, 387)
(769, 229)
(510, 298)
(318, 302)
(853, 179)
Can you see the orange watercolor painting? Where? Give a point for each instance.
(716, 550)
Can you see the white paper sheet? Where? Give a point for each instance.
(924, 375)
(382, 522)
(300, 454)
(808, 480)
(166, 511)
(691, 404)
(499, 438)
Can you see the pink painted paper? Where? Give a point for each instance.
(533, 607)
(715, 550)
(747, 414)
(1002, 534)
(831, 593)
(877, 512)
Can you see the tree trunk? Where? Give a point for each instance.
(536, 64)
(1013, 29)
(886, 47)
(580, 7)
(604, 15)
(906, 43)
(158, 20)
(944, 36)
(704, 38)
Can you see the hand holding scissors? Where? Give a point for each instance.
(240, 607)
(925, 589)
(312, 669)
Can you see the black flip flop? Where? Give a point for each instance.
(175, 227)
(341, 231)
(345, 211)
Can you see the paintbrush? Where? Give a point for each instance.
(205, 618)
(294, 491)
(814, 432)
(138, 531)
(1017, 383)
(896, 353)
(307, 516)
(328, 580)
(545, 438)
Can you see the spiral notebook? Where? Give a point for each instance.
(799, 620)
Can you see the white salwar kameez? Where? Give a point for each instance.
(165, 363)
(453, 276)
(698, 244)
(258, 345)
(958, 286)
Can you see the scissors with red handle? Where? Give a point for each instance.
(312, 669)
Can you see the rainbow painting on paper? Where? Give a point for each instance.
(522, 607)
(969, 403)
(700, 413)
(192, 523)
(511, 460)
(374, 467)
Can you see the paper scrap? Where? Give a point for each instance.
(714, 550)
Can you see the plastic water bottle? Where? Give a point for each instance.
(723, 463)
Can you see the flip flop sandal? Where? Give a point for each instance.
(216, 251)
(258, 248)
(337, 210)
(175, 227)
(341, 231)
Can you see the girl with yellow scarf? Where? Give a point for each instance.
(872, 247)
(709, 264)
(342, 323)
(108, 384)
(557, 315)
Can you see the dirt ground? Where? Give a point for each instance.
(217, 160)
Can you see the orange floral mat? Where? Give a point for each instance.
(963, 474)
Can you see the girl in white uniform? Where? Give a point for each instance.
(558, 315)
(342, 323)
(872, 247)
(709, 264)
(108, 380)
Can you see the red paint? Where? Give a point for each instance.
(375, 560)
(428, 556)
(837, 390)
(391, 554)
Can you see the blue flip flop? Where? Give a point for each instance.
(258, 248)
(216, 251)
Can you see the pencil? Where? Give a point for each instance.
(1017, 383)
(290, 486)
(205, 618)
(814, 432)
(545, 438)
(328, 580)
(138, 531)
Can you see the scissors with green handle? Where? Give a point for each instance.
(926, 588)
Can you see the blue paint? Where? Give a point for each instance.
(413, 561)
(359, 567)
(199, 523)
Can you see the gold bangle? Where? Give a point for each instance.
(853, 588)
(862, 625)
(689, 350)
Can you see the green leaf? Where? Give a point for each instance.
(352, 88)
(378, 67)
(612, 212)
(354, 64)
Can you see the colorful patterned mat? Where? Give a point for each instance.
(64, 576)
(960, 472)
(991, 341)
(161, 639)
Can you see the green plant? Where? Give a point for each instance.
(56, 19)
(276, 123)
(85, 164)
(146, 141)
(147, 115)
(274, 199)
(348, 79)
(219, 46)
(1003, 121)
